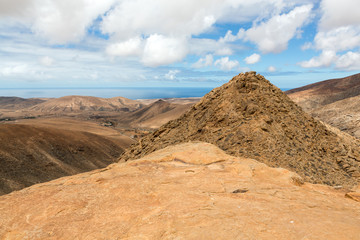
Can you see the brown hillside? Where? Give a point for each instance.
(86, 103)
(189, 191)
(343, 114)
(152, 110)
(155, 114)
(321, 93)
(16, 103)
(250, 117)
(31, 154)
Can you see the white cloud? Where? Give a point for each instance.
(325, 59)
(133, 25)
(274, 35)
(131, 47)
(223, 51)
(157, 50)
(171, 75)
(271, 69)
(226, 64)
(229, 37)
(202, 46)
(241, 11)
(339, 31)
(14, 69)
(204, 62)
(306, 46)
(68, 20)
(349, 61)
(58, 21)
(162, 50)
(94, 76)
(130, 18)
(74, 66)
(338, 39)
(46, 61)
(252, 59)
(14, 8)
(339, 14)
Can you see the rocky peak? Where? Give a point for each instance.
(250, 117)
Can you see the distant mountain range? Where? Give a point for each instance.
(126, 112)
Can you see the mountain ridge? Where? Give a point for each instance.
(321, 93)
(81, 103)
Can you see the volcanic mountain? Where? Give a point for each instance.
(250, 117)
(31, 154)
(81, 103)
(322, 93)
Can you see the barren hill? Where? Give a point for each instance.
(325, 92)
(31, 154)
(189, 191)
(250, 117)
(16, 103)
(155, 114)
(81, 103)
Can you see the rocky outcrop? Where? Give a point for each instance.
(250, 117)
(188, 191)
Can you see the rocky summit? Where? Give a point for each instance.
(188, 191)
(250, 117)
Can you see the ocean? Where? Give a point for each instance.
(132, 93)
(128, 92)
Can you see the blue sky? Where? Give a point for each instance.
(153, 43)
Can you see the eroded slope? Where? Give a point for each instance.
(31, 154)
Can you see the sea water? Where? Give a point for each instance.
(132, 93)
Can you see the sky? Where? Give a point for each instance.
(168, 43)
